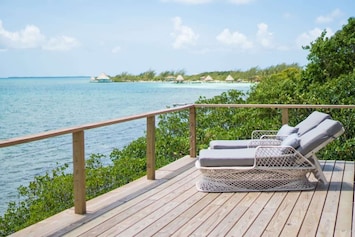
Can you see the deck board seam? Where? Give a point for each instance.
(150, 194)
(324, 217)
(172, 204)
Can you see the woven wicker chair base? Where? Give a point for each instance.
(232, 180)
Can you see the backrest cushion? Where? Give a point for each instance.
(285, 130)
(311, 121)
(325, 131)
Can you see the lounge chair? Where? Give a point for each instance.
(272, 137)
(268, 168)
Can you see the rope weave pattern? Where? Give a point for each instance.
(276, 169)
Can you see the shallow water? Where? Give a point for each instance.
(34, 105)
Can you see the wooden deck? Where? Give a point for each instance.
(171, 206)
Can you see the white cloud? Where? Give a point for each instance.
(183, 35)
(307, 37)
(234, 38)
(31, 37)
(264, 39)
(329, 18)
(61, 43)
(264, 36)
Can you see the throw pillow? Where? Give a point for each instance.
(285, 131)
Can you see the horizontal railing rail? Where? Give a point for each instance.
(78, 144)
(284, 107)
(59, 132)
(78, 140)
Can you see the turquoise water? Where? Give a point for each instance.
(34, 105)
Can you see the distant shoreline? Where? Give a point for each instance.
(134, 81)
(47, 77)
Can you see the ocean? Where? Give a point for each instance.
(35, 105)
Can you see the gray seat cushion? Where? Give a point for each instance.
(311, 121)
(325, 131)
(227, 157)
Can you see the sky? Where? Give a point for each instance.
(87, 37)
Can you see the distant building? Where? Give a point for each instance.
(229, 78)
(208, 78)
(170, 78)
(102, 78)
(179, 79)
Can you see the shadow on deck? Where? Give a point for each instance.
(171, 206)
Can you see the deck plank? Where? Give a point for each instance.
(250, 215)
(265, 216)
(295, 220)
(156, 227)
(234, 216)
(344, 216)
(126, 218)
(202, 216)
(159, 209)
(327, 222)
(279, 219)
(172, 206)
(207, 227)
(99, 224)
(184, 218)
(314, 212)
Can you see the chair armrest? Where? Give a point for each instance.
(257, 134)
(264, 142)
(281, 156)
(275, 137)
(213, 168)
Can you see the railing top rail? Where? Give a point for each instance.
(278, 106)
(59, 132)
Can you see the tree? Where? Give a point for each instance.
(148, 75)
(277, 88)
(331, 57)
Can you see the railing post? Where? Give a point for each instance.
(192, 120)
(151, 147)
(284, 112)
(79, 172)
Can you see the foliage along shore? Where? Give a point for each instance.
(254, 74)
(329, 78)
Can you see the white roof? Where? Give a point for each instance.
(103, 76)
(208, 78)
(229, 78)
(179, 78)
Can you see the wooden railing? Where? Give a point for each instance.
(284, 107)
(78, 141)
